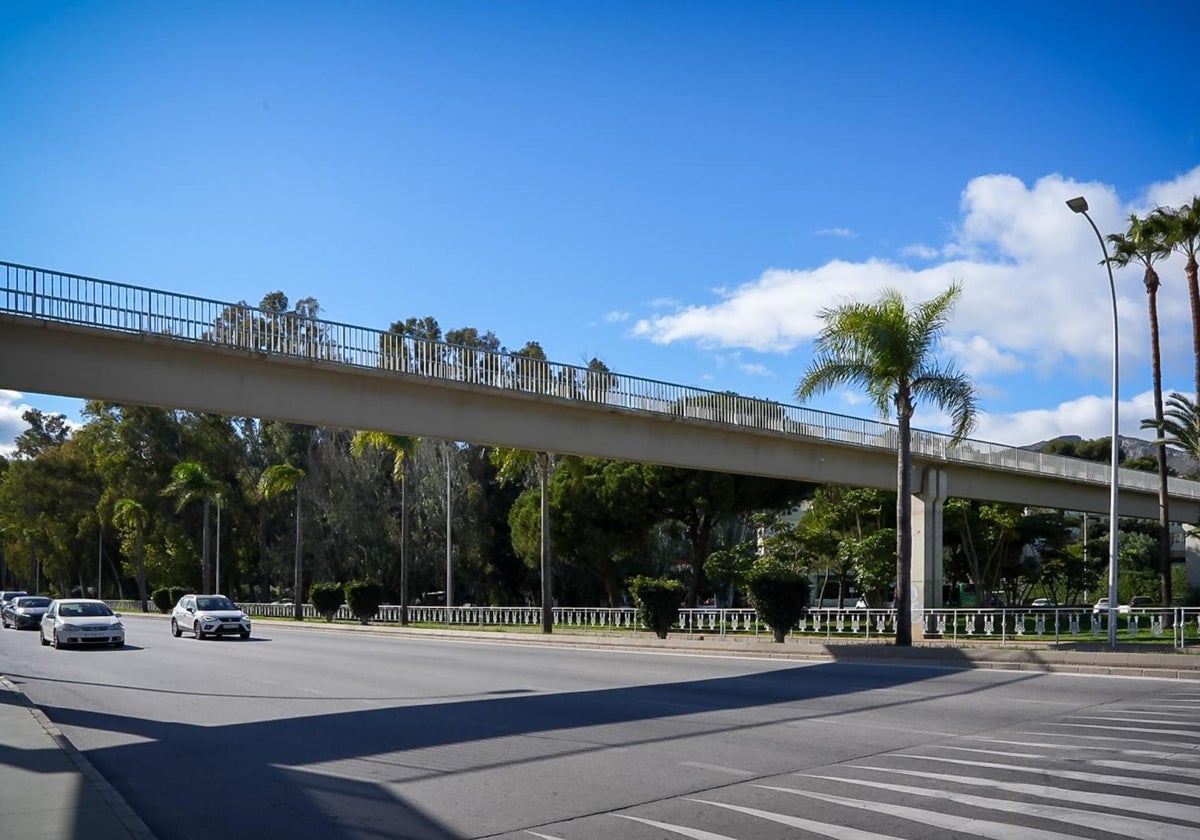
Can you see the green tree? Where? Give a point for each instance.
(400, 448)
(1180, 425)
(511, 463)
(190, 482)
(1145, 243)
(131, 515)
(887, 348)
(285, 478)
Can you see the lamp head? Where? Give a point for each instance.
(1078, 204)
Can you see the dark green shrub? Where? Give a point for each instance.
(658, 601)
(162, 599)
(178, 592)
(364, 597)
(326, 598)
(780, 595)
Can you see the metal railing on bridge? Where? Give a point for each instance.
(102, 304)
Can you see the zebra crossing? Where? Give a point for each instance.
(1126, 771)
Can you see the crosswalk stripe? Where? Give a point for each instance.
(1144, 729)
(958, 823)
(1121, 740)
(1130, 826)
(1157, 785)
(1173, 756)
(838, 832)
(694, 833)
(1154, 807)
(1111, 763)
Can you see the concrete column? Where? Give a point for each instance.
(927, 574)
(1192, 556)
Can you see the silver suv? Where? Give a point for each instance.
(209, 615)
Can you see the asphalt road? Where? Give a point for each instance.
(309, 733)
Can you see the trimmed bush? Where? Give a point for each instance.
(364, 597)
(658, 601)
(326, 598)
(162, 599)
(781, 596)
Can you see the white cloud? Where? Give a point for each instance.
(1088, 417)
(756, 370)
(921, 252)
(840, 233)
(616, 317)
(11, 424)
(1035, 312)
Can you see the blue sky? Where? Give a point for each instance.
(675, 188)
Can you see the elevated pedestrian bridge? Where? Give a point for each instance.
(83, 337)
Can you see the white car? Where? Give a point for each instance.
(208, 615)
(75, 622)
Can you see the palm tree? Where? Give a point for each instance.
(402, 448)
(510, 464)
(1180, 425)
(129, 514)
(1146, 243)
(887, 349)
(189, 482)
(284, 478)
(1182, 229)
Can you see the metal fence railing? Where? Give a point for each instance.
(85, 301)
(1177, 627)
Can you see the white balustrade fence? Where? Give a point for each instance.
(1178, 627)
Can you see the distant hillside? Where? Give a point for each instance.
(1180, 461)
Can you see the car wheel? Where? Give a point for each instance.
(42, 637)
(175, 631)
(55, 642)
(245, 634)
(197, 631)
(119, 644)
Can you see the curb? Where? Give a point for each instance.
(125, 814)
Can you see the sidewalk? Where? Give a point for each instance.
(48, 789)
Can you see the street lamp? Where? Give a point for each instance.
(1080, 205)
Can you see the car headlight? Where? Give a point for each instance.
(209, 618)
(68, 627)
(116, 625)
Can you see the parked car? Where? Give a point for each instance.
(81, 621)
(24, 612)
(208, 615)
(7, 595)
(1043, 603)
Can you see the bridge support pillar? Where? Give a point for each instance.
(927, 575)
(1192, 556)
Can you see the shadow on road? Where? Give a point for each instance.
(258, 778)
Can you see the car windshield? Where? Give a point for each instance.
(33, 602)
(217, 603)
(86, 609)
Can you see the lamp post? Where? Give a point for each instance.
(1080, 205)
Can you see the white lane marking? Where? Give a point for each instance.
(838, 832)
(955, 822)
(1143, 741)
(1145, 729)
(694, 833)
(1154, 807)
(1132, 719)
(1192, 791)
(1047, 746)
(1112, 763)
(1130, 826)
(717, 768)
(543, 836)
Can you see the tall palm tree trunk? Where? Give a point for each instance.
(206, 567)
(543, 462)
(1164, 520)
(903, 601)
(1193, 284)
(298, 575)
(141, 566)
(404, 544)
